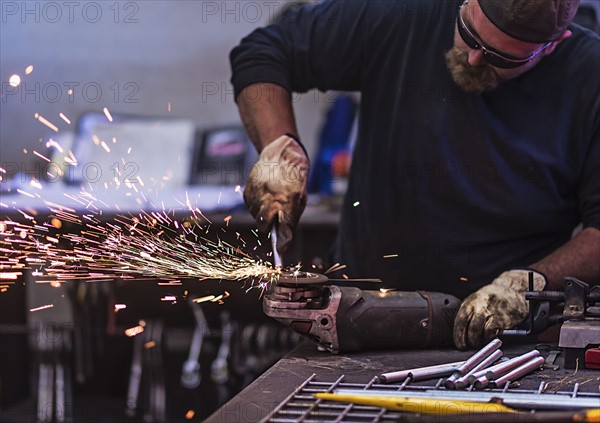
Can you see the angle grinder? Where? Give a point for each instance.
(345, 318)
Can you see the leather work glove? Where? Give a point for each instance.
(276, 189)
(495, 307)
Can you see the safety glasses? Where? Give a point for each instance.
(493, 57)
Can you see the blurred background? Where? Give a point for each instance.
(150, 58)
(78, 76)
(160, 70)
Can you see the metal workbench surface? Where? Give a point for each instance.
(259, 399)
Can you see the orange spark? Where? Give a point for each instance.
(136, 330)
(107, 114)
(66, 119)
(10, 275)
(204, 299)
(169, 298)
(42, 307)
(41, 156)
(20, 191)
(46, 122)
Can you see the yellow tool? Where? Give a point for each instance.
(587, 416)
(420, 405)
(477, 411)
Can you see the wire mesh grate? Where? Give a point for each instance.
(302, 406)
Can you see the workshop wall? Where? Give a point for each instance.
(159, 57)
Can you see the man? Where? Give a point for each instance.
(478, 150)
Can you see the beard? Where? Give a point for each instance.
(472, 79)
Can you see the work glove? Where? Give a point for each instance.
(495, 307)
(276, 188)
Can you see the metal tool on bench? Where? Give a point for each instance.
(276, 257)
(54, 395)
(146, 394)
(190, 373)
(580, 318)
(219, 369)
(345, 318)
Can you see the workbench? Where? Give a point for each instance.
(261, 398)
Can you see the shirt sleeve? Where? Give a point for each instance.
(320, 46)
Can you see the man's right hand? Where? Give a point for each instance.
(276, 188)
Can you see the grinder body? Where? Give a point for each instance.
(344, 318)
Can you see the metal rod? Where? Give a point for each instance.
(472, 362)
(516, 332)
(450, 383)
(406, 382)
(276, 257)
(515, 400)
(541, 387)
(498, 370)
(391, 377)
(575, 390)
(426, 374)
(474, 376)
(479, 356)
(592, 297)
(520, 371)
(463, 381)
(530, 281)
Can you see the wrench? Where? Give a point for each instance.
(190, 375)
(219, 367)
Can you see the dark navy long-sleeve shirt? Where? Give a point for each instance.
(452, 188)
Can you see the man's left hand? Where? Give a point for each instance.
(493, 308)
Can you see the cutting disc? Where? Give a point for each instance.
(301, 278)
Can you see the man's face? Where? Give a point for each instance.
(468, 66)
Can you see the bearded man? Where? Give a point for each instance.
(478, 148)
